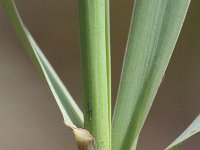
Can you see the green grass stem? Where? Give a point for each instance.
(95, 62)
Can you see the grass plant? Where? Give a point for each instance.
(154, 30)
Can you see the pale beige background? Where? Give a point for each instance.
(29, 117)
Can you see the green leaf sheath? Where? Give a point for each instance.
(193, 129)
(73, 116)
(155, 27)
(95, 62)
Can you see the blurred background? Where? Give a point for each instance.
(29, 116)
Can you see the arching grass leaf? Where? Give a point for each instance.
(72, 115)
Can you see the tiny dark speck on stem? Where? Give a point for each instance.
(89, 109)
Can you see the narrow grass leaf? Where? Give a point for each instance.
(193, 129)
(73, 116)
(155, 27)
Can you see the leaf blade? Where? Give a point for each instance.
(191, 130)
(154, 31)
(72, 115)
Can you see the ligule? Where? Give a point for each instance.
(84, 139)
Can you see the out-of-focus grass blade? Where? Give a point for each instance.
(73, 116)
(155, 27)
(193, 129)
